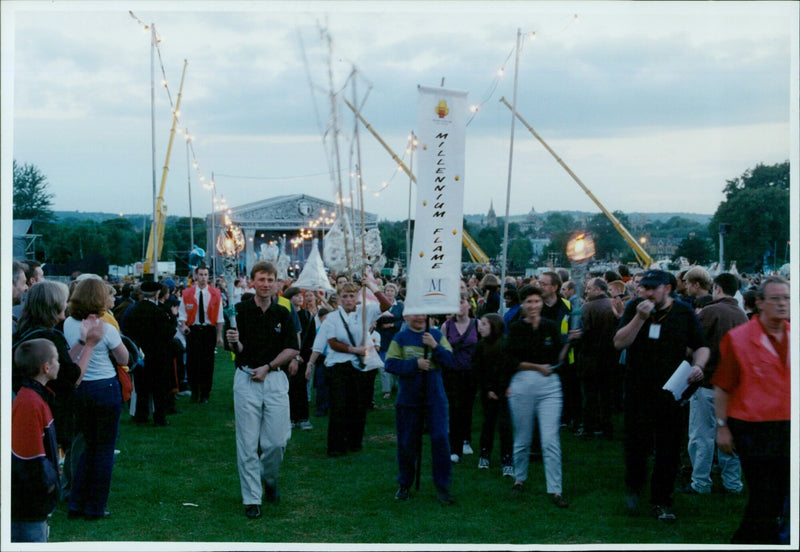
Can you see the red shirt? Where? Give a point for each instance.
(754, 369)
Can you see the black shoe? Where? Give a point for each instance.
(517, 489)
(203, 401)
(252, 511)
(688, 489)
(444, 496)
(402, 493)
(161, 423)
(559, 500)
(174, 411)
(271, 494)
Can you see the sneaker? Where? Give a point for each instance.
(402, 493)
(664, 513)
(252, 511)
(508, 471)
(455, 458)
(632, 504)
(733, 491)
(184, 393)
(466, 449)
(483, 463)
(305, 425)
(444, 496)
(294, 425)
(559, 500)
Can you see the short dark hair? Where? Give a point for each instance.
(728, 283)
(555, 280)
(30, 272)
(31, 354)
(292, 291)
(263, 266)
(624, 271)
(600, 284)
(527, 291)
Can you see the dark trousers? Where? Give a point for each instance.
(98, 405)
(320, 388)
(298, 395)
(763, 449)
(496, 414)
(652, 419)
(460, 388)
(410, 422)
(347, 416)
(200, 344)
(153, 380)
(598, 376)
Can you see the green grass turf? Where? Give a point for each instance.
(161, 473)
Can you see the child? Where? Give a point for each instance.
(486, 365)
(417, 356)
(35, 486)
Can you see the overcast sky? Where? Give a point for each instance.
(652, 105)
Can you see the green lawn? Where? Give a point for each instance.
(180, 484)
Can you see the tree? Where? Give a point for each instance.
(520, 252)
(31, 198)
(757, 209)
(608, 242)
(696, 249)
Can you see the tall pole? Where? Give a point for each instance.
(154, 268)
(189, 183)
(508, 185)
(410, 181)
(213, 247)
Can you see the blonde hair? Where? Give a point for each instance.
(43, 305)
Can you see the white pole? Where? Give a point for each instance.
(154, 229)
(508, 186)
(189, 182)
(410, 181)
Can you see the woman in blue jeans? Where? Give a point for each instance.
(98, 403)
(532, 350)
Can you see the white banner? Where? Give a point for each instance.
(434, 270)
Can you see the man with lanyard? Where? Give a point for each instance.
(657, 330)
(200, 319)
(263, 340)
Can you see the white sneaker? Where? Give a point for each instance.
(466, 449)
(508, 471)
(184, 393)
(305, 425)
(483, 463)
(454, 458)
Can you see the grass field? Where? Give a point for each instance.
(179, 484)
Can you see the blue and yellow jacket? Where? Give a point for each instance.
(401, 359)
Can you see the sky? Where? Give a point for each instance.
(653, 105)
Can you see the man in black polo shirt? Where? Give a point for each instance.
(263, 340)
(657, 331)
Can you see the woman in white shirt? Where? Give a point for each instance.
(98, 403)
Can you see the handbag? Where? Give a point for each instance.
(125, 382)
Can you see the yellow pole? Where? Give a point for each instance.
(157, 232)
(645, 260)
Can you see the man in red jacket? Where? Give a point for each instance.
(200, 319)
(752, 403)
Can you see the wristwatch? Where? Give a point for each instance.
(721, 422)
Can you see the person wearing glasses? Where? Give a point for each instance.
(752, 404)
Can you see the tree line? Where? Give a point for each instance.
(754, 214)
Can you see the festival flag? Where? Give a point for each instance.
(434, 271)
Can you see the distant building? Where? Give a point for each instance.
(23, 239)
(491, 218)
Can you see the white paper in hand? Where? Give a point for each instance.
(679, 380)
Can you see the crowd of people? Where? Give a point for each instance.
(542, 355)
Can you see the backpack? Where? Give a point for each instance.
(135, 354)
(46, 333)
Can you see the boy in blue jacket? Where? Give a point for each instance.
(417, 356)
(35, 484)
